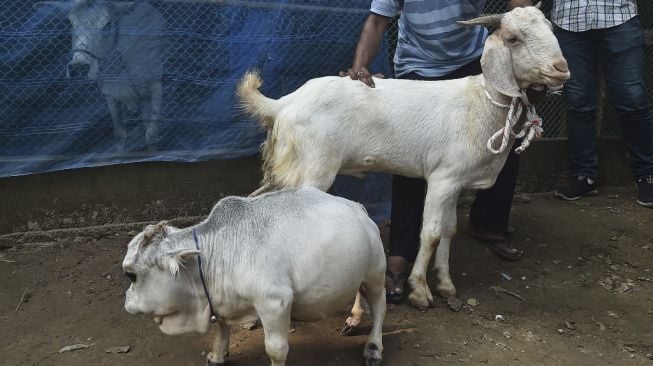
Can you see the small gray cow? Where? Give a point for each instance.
(298, 253)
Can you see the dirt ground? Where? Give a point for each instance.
(582, 295)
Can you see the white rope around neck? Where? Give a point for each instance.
(532, 127)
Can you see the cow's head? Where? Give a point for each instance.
(94, 33)
(521, 52)
(161, 265)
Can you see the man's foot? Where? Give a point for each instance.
(499, 244)
(645, 185)
(577, 188)
(395, 279)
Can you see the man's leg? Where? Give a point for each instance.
(581, 97)
(490, 211)
(405, 223)
(621, 53)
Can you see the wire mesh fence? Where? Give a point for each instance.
(90, 82)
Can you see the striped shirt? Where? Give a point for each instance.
(584, 15)
(430, 42)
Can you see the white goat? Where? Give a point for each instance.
(432, 129)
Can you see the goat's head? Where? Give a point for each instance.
(521, 52)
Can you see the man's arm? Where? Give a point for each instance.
(366, 48)
(511, 4)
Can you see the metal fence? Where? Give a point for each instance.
(90, 82)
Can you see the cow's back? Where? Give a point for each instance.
(318, 245)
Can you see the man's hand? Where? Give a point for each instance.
(362, 74)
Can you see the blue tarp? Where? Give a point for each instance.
(54, 121)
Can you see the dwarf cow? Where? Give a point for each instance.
(298, 253)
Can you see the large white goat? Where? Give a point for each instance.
(432, 129)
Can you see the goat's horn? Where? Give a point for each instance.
(493, 20)
(538, 5)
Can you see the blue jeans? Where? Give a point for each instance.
(620, 53)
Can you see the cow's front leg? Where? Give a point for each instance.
(152, 116)
(220, 350)
(119, 129)
(275, 318)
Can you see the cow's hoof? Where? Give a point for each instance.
(212, 360)
(421, 298)
(372, 355)
(373, 362)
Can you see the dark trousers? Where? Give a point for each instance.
(490, 210)
(620, 53)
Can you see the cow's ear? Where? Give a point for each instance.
(59, 5)
(123, 7)
(173, 259)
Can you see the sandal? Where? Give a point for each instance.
(502, 248)
(392, 297)
(499, 245)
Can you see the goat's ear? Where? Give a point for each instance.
(496, 63)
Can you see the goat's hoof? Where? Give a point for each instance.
(421, 298)
(346, 330)
(446, 290)
(350, 326)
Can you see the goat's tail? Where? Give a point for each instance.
(253, 102)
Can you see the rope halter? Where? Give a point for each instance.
(532, 127)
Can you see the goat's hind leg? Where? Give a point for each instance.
(439, 206)
(353, 322)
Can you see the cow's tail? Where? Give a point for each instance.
(254, 103)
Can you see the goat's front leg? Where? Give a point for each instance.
(220, 349)
(439, 206)
(275, 318)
